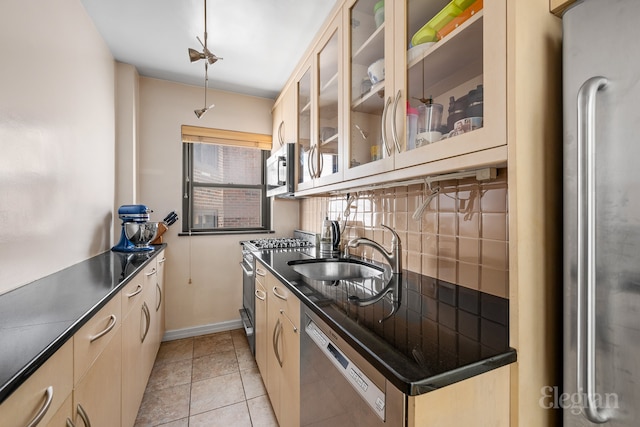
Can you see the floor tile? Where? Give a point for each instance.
(172, 351)
(245, 358)
(170, 374)
(179, 423)
(239, 338)
(252, 383)
(261, 412)
(236, 415)
(214, 343)
(214, 393)
(214, 365)
(162, 406)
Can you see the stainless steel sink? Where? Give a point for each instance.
(332, 269)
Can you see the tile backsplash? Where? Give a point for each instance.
(461, 237)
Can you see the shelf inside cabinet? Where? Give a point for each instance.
(371, 101)
(328, 142)
(372, 49)
(454, 59)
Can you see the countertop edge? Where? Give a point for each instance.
(34, 364)
(405, 385)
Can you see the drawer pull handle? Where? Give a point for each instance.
(161, 261)
(275, 292)
(43, 411)
(151, 273)
(260, 272)
(83, 416)
(112, 323)
(260, 294)
(295, 328)
(136, 292)
(70, 423)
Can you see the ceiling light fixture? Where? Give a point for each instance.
(209, 58)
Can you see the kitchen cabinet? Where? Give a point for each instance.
(321, 116)
(464, 73)
(260, 328)
(283, 358)
(97, 373)
(284, 119)
(54, 379)
(97, 395)
(142, 329)
(481, 401)
(559, 6)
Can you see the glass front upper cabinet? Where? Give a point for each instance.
(306, 169)
(328, 137)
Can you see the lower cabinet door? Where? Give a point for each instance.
(97, 396)
(260, 328)
(133, 379)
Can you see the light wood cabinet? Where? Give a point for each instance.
(284, 119)
(283, 356)
(559, 6)
(465, 67)
(159, 325)
(260, 328)
(480, 401)
(43, 394)
(97, 396)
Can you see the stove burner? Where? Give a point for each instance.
(280, 243)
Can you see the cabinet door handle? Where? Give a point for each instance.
(112, 323)
(147, 315)
(160, 299)
(394, 126)
(70, 423)
(258, 292)
(161, 261)
(312, 169)
(320, 161)
(48, 398)
(276, 335)
(280, 137)
(586, 277)
(295, 328)
(136, 292)
(260, 272)
(383, 127)
(83, 415)
(151, 273)
(281, 296)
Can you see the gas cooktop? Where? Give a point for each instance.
(301, 239)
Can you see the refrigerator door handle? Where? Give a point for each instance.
(586, 278)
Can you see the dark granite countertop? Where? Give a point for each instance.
(438, 334)
(38, 318)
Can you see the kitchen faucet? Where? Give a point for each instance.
(394, 257)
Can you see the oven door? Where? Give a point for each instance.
(248, 301)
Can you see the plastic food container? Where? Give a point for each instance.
(378, 13)
(428, 33)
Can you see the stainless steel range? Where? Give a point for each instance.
(301, 241)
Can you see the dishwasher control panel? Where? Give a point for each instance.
(363, 385)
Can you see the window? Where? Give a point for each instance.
(224, 181)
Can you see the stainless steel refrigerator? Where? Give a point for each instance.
(601, 96)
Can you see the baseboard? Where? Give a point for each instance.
(195, 331)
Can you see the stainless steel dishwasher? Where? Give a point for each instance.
(338, 386)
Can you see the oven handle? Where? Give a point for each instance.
(248, 272)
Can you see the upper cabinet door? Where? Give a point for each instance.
(329, 108)
(369, 82)
(454, 77)
(306, 168)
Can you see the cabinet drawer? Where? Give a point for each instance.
(21, 407)
(93, 337)
(260, 274)
(283, 299)
(132, 293)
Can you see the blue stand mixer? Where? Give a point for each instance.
(137, 231)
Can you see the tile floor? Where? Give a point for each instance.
(206, 381)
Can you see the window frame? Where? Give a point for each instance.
(188, 187)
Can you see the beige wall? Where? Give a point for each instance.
(203, 279)
(461, 237)
(57, 139)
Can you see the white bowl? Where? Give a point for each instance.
(419, 50)
(376, 71)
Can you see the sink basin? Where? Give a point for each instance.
(332, 269)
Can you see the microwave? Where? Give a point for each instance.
(281, 168)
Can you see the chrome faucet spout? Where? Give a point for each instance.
(394, 256)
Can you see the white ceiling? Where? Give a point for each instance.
(261, 41)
